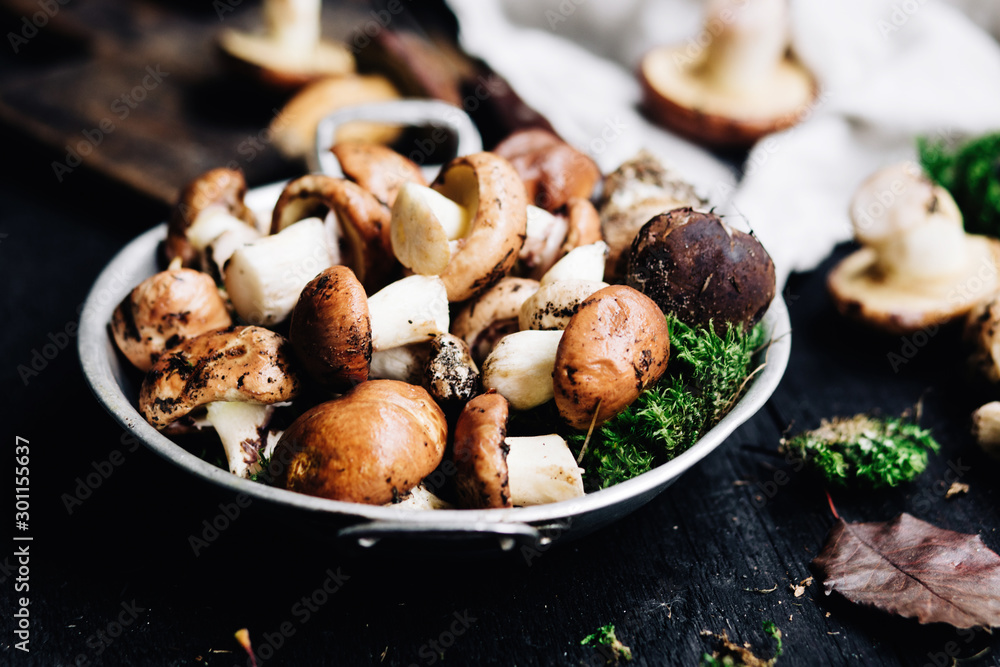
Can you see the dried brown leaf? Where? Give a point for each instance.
(911, 568)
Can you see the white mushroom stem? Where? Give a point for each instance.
(520, 368)
(986, 428)
(223, 247)
(404, 363)
(544, 237)
(542, 469)
(552, 306)
(583, 263)
(425, 224)
(749, 41)
(242, 428)
(419, 498)
(264, 278)
(410, 310)
(294, 25)
(212, 223)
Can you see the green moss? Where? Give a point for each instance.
(707, 374)
(605, 636)
(865, 451)
(971, 173)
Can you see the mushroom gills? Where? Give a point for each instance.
(520, 368)
(541, 470)
(410, 310)
(264, 278)
(242, 428)
(425, 226)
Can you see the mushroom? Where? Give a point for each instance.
(406, 363)
(165, 310)
(917, 267)
(493, 470)
(585, 262)
(635, 192)
(294, 128)
(361, 222)
(982, 331)
(290, 52)
(742, 85)
(238, 374)
(492, 198)
(702, 270)
(986, 428)
(552, 306)
(378, 169)
(264, 278)
(420, 498)
(550, 237)
(331, 330)
(451, 376)
(553, 172)
(615, 346)
(372, 445)
(208, 207)
(520, 367)
(492, 315)
(335, 328)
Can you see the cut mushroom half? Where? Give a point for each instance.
(742, 85)
(918, 268)
(496, 471)
(222, 370)
(290, 51)
(483, 211)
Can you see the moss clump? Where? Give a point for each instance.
(971, 173)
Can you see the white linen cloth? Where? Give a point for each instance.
(890, 70)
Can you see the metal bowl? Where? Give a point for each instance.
(374, 527)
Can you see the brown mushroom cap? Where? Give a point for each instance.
(862, 292)
(248, 364)
(371, 445)
(378, 169)
(331, 331)
(674, 96)
(492, 315)
(584, 224)
(553, 171)
(364, 222)
(488, 185)
(221, 187)
(695, 266)
(481, 479)
(615, 346)
(163, 311)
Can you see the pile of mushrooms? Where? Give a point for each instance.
(393, 326)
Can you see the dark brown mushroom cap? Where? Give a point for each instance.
(221, 187)
(371, 445)
(553, 171)
(695, 266)
(248, 364)
(364, 221)
(378, 169)
(331, 331)
(481, 478)
(615, 346)
(165, 310)
(486, 184)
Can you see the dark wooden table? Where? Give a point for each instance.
(114, 578)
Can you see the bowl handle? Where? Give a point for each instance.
(468, 537)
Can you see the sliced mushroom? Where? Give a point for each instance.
(290, 51)
(700, 269)
(165, 310)
(331, 330)
(637, 191)
(918, 267)
(615, 346)
(209, 206)
(372, 445)
(486, 186)
(742, 85)
(264, 278)
(362, 223)
(378, 169)
(494, 471)
(520, 368)
(235, 365)
(492, 315)
(553, 172)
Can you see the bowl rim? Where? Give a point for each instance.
(96, 351)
